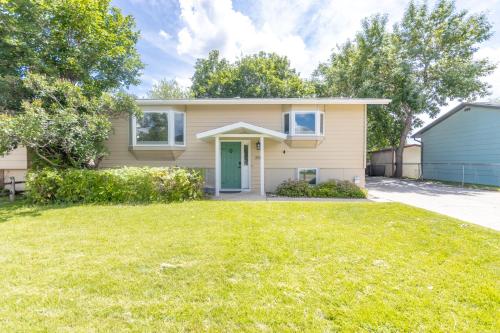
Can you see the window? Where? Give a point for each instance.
(286, 122)
(159, 128)
(152, 128)
(305, 123)
(245, 155)
(179, 128)
(310, 175)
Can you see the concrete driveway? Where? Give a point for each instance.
(476, 206)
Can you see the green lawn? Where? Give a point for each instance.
(227, 266)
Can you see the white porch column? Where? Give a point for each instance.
(262, 188)
(217, 166)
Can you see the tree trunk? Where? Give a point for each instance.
(402, 142)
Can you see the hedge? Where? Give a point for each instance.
(329, 189)
(124, 185)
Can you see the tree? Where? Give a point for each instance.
(87, 42)
(61, 125)
(62, 65)
(425, 61)
(259, 75)
(169, 89)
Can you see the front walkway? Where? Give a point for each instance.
(471, 205)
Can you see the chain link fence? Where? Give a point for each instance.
(462, 173)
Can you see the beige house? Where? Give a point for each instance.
(14, 164)
(248, 144)
(383, 162)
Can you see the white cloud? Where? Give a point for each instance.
(305, 31)
(216, 25)
(165, 34)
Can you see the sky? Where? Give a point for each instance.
(174, 33)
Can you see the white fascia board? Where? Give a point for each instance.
(263, 101)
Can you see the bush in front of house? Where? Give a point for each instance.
(123, 185)
(294, 188)
(329, 189)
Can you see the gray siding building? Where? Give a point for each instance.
(463, 145)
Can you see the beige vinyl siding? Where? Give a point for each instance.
(342, 149)
(15, 160)
(411, 162)
(14, 164)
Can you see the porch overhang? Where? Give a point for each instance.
(241, 130)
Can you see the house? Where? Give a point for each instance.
(383, 162)
(463, 145)
(248, 144)
(14, 164)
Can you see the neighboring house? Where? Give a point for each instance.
(248, 144)
(463, 145)
(383, 162)
(14, 164)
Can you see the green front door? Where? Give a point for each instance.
(230, 165)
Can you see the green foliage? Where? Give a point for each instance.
(125, 185)
(426, 60)
(329, 189)
(61, 125)
(338, 189)
(169, 89)
(294, 188)
(260, 75)
(88, 42)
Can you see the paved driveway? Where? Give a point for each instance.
(476, 206)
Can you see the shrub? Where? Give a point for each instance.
(124, 185)
(338, 189)
(294, 188)
(330, 189)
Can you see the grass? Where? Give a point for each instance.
(227, 266)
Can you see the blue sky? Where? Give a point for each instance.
(174, 33)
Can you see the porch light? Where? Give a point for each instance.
(257, 145)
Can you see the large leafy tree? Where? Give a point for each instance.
(258, 75)
(169, 89)
(61, 125)
(62, 65)
(87, 42)
(425, 61)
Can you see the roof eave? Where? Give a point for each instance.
(263, 101)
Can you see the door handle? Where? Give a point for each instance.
(239, 165)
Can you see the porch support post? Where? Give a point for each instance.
(217, 166)
(262, 190)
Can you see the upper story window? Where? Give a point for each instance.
(159, 128)
(305, 123)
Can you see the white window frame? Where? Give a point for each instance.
(171, 130)
(184, 129)
(321, 128)
(318, 129)
(315, 169)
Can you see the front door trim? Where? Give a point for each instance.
(244, 174)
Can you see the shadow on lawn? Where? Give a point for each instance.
(21, 208)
